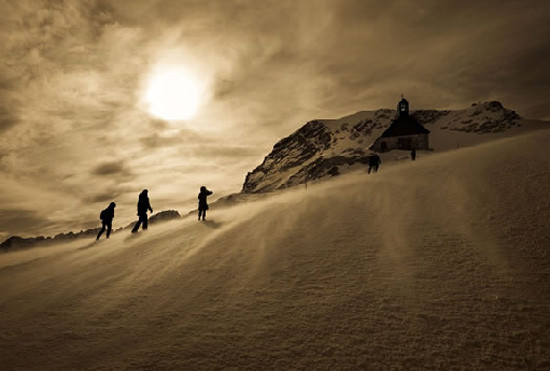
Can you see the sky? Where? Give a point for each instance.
(76, 128)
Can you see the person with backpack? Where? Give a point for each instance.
(203, 205)
(106, 217)
(142, 206)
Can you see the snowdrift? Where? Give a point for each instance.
(437, 263)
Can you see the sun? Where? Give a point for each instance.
(173, 93)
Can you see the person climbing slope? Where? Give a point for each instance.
(203, 204)
(107, 217)
(142, 206)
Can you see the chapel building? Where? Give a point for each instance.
(405, 132)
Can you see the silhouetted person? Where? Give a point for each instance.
(413, 154)
(142, 206)
(203, 205)
(374, 162)
(106, 217)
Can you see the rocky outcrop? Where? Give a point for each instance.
(290, 152)
(162, 216)
(495, 119)
(15, 242)
(482, 118)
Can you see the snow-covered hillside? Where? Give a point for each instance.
(324, 148)
(440, 263)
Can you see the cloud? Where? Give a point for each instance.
(111, 168)
(231, 152)
(181, 138)
(7, 119)
(110, 194)
(16, 221)
(156, 141)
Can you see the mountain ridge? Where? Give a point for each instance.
(325, 148)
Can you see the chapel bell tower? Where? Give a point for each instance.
(403, 107)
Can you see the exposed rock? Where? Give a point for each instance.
(20, 242)
(311, 139)
(488, 117)
(162, 216)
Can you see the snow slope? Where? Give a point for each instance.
(441, 263)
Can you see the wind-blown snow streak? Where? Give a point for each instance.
(438, 263)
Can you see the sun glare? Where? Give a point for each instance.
(173, 94)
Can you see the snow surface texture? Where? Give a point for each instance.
(439, 263)
(325, 148)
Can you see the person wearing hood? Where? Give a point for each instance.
(107, 217)
(203, 205)
(143, 206)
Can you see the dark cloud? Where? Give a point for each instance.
(15, 220)
(108, 195)
(444, 54)
(101, 197)
(7, 119)
(224, 151)
(112, 168)
(157, 141)
(182, 138)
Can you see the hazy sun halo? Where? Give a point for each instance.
(173, 94)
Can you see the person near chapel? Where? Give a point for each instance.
(374, 163)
